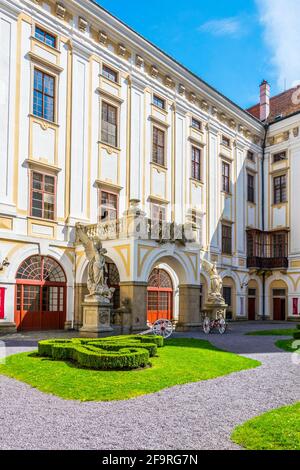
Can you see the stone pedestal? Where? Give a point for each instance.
(123, 321)
(96, 318)
(215, 308)
(189, 308)
(137, 293)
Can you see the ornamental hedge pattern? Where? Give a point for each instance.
(111, 353)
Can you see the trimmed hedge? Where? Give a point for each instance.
(298, 326)
(296, 335)
(111, 353)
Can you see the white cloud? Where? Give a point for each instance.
(222, 27)
(280, 19)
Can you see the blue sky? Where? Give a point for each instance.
(231, 44)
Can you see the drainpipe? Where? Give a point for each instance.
(263, 214)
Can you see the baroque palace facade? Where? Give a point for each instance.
(100, 127)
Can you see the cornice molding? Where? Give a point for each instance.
(167, 63)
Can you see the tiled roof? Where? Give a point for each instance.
(283, 105)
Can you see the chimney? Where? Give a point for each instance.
(264, 100)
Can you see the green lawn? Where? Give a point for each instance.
(275, 430)
(180, 361)
(283, 332)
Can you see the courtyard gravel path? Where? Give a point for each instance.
(194, 416)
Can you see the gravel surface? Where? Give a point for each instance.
(194, 416)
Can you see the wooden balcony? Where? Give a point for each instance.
(267, 250)
(267, 263)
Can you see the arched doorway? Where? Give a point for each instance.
(160, 296)
(40, 294)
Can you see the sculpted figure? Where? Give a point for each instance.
(216, 282)
(95, 253)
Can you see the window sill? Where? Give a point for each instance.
(195, 180)
(162, 110)
(111, 82)
(44, 121)
(51, 48)
(226, 193)
(40, 219)
(278, 205)
(112, 147)
(159, 166)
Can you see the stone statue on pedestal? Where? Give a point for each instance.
(97, 305)
(215, 305)
(95, 253)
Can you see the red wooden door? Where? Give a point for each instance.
(28, 307)
(160, 296)
(278, 309)
(40, 295)
(251, 308)
(53, 307)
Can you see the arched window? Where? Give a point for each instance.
(41, 268)
(160, 278)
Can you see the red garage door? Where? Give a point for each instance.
(40, 294)
(160, 296)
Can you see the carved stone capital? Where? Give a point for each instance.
(60, 10)
(154, 71)
(82, 24)
(102, 37)
(122, 50)
(181, 89)
(139, 61)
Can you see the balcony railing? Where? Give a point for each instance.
(267, 250)
(144, 229)
(267, 263)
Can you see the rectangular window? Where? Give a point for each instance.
(279, 246)
(108, 206)
(158, 155)
(279, 293)
(110, 74)
(43, 189)
(45, 37)
(227, 239)
(158, 213)
(43, 95)
(280, 193)
(225, 141)
(227, 295)
(159, 102)
(196, 124)
(277, 157)
(251, 292)
(109, 124)
(250, 156)
(250, 188)
(196, 163)
(226, 177)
